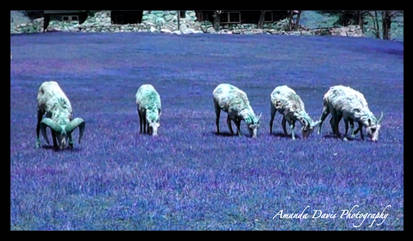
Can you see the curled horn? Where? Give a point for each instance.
(77, 122)
(380, 118)
(47, 122)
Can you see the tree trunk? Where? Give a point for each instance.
(376, 21)
(297, 20)
(290, 20)
(179, 20)
(46, 21)
(217, 20)
(361, 20)
(386, 24)
(261, 20)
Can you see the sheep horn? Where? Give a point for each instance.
(77, 122)
(47, 122)
(380, 118)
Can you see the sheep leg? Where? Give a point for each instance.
(144, 122)
(351, 128)
(322, 118)
(273, 112)
(229, 125)
(292, 125)
(217, 112)
(238, 124)
(361, 131)
(346, 130)
(358, 129)
(39, 119)
(333, 122)
(337, 122)
(140, 120)
(54, 140)
(70, 141)
(283, 124)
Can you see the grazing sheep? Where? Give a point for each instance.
(53, 102)
(349, 104)
(235, 102)
(289, 104)
(148, 104)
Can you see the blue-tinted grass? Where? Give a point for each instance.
(189, 177)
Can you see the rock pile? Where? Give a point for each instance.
(167, 22)
(350, 31)
(34, 26)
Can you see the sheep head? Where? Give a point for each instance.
(153, 120)
(62, 129)
(308, 125)
(373, 126)
(253, 123)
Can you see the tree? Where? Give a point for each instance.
(217, 18)
(297, 19)
(387, 18)
(179, 19)
(386, 23)
(349, 17)
(293, 25)
(261, 20)
(360, 17)
(375, 19)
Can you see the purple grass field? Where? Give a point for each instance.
(189, 177)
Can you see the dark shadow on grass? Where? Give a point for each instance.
(333, 136)
(281, 134)
(228, 134)
(50, 147)
(225, 134)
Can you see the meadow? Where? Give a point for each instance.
(189, 177)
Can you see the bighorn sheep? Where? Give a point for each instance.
(53, 102)
(148, 104)
(349, 104)
(289, 104)
(235, 102)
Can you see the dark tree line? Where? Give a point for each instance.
(347, 17)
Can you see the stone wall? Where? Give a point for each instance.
(167, 22)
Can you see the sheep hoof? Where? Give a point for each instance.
(38, 144)
(345, 139)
